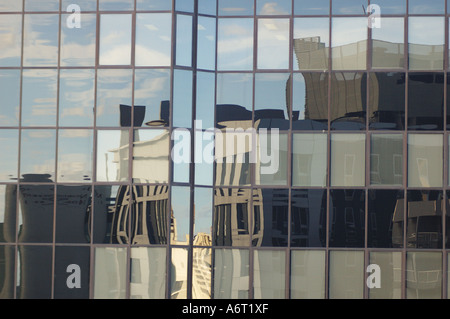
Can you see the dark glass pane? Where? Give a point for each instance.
(8, 213)
(7, 267)
(231, 225)
(153, 5)
(110, 273)
(9, 157)
(447, 220)
(111, 213)
(348, 101)
(306, 7)
(423, 275)
(308, 218)
(386, 159)
(424, 228)
(72, 272)
(349, 7)
(425, 89)
(73, 214)
(231, 271)
(385, 218)
(37, 155)
(347, 220)
(387, 101)
(426, 6)
(235, 7)
(35, 273)
(10, 38)
(310, 101)
(203, 212)
(180, 217)
(150, 217)
(270, 217)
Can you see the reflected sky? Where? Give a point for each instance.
(115, 39)
(10, 40)
(271, 7)
(273, 43)
(426, 7)
(10, 6)
(205, 99)
(184, 40)
(182, 98)
(235, 7)
(306, 7)
(9, 97)
(153, 39)
(9, 143)
(426, 30)
(206, 49)
(181, 198)
(270, 92)
(349, 7)
(392, 6)
(207, 7)
(184, 5)
(116, 5)
(235, 44)
(41, 5)
(85, 5)
(153, 5)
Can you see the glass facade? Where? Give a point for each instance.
(224, 149)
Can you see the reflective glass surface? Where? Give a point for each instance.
(390, 264)
(204, 109)
(388, 44)
(269, 7)
(385, 218)
(201, 273)
(423, 275)
(309, 159)
(75, 155)
(310, 101)
(392, 6)
(178, 286)
(114, 97)
(207, 7)
(307, 274)
(235, 44)
(346, 275)
(8, 213)
(426, 43)
(386, 159)
(37, 155)
(204, 158)
(85, 5)
(273, 44)
(153, 34)
(151, 156)
(269, 274)
(181, 155)
(203, 212)
(9, 97)
(349, 6)
(40, 40)
(184, 5)
(184, 40)
(115, 39)
(308, 218)
(10, 6)
(41, 5)
(78, 44)
(153, 5)
(116, 5)
(272, 164)
(425, 160)
(110, 273)
(148, 273)
(426, 7)
(181, 199)
(8, 264)
(182, 98)
(34, 281)
(305, 7)
(112, 155)
(206, 43)
(9, 157)
(231, 271)
(235, 7)
(10, 39)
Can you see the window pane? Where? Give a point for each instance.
(110, 273)
(107, 5)
(184, 5)
(184, 40)
(181, 199)
(270, 217)
(181, 155)
(269, 7)
(308, 216)
(203, 216)
(426, 43)
(392, 6)
(201, 273)
(204, 158)
(310, 101)
(9, 157)
(153, 39)
(390, 264)
(85, 5)
(231, 272)
(114, 96)
(37, 155)
(235, 7)
(235, 44)
(8, 213)
(346, 275)
(387, 101)
(311, 43)
(76, 97)
(178, 287)
(272, 165)
(41, 5)
(206, 47)
(423, 275)
(39, 97)
(78, 44)
(153, 5)
(148, 273)
(424, 228)
(425, 89)
(72, 214)
(10, 6)
(385, 218)
(388, 44)
(182, 98)
(8, 264)
(347, 218)
(349, 6)
(66, 277)
(306, 7)
(386, 159)
(426, 7)
(75, 160)
(207, 7)
(269, 273)
(273, 43)
(348, 159)
(112, 155)
(40, 44)
(307, 274)
(151, 156)
(348, 101)
(309, 161)
(231, 225)
(206, 94)
(10, 39)
(36, 264)
(9, 97)
(36, 203)
(115, 39)
(425, 160)
(349, 43)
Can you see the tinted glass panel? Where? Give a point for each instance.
(110, 273)
(181, 199)
(309, 161)
(386, 159)
(9, 157)
(36, 264)
(8, 213)
(347, 220)
(9, 97)
(270, 217)
(385, 218)
(115, 39)
(308, 274)
(269, 272)
(346, 275)
(10, 39)
(8, 264)
(308, 218)
(390, 264)
(306, 7)
(231, 271)
(112, 155)
(425, 89)
(37, 155)
(423, 275)
(273, 44)
(387, 101)
(388, 44)
(235, 7)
